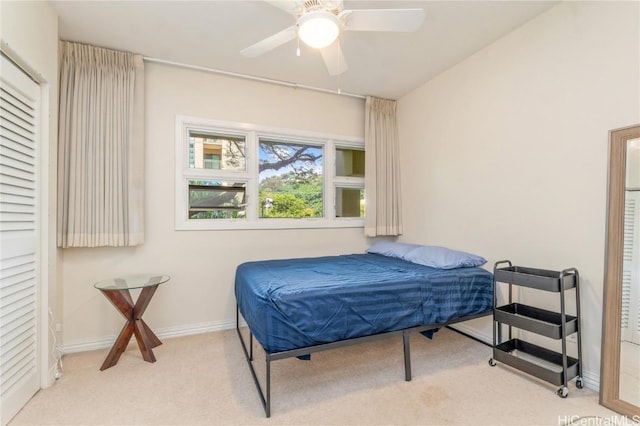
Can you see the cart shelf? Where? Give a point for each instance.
(540, 279)
(536, 320)
(535, 360)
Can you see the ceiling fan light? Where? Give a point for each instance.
(318, 29)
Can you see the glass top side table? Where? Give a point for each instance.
(117, 291)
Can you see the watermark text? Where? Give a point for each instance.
(616, 420)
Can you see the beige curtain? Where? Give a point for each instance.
(383, 199)
(100, 147)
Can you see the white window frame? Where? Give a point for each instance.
(252, 133)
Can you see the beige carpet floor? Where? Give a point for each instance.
(204, 380)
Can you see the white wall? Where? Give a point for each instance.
(201, 263)
(505, 154)
(30, 37)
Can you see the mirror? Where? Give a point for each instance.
(620, 371)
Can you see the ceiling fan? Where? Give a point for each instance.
(320, 22)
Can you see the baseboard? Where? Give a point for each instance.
(474, 332)
(106, 342)
(52, 375)
(591, 380)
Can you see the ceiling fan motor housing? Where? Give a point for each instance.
(318, 28)
(333, 6)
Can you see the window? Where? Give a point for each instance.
(216, 200)
(349, 202)
(349, 182)
(290, 179)
(216, 151)
(350, 162)
(240, 176)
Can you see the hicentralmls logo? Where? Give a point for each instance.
(575, 420)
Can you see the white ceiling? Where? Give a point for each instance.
(211, 34)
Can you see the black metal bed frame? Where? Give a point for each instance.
(265, 396)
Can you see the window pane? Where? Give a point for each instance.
(349, 202)
(218, 152)
(349, 162)
(216, 200)
(290, 180)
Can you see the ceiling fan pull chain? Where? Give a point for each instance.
(297, 41)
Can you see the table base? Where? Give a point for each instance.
(135, 325)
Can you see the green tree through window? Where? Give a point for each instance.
(290, 178)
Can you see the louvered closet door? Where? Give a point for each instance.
(19, 367)
(631, 269)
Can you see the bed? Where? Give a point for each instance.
(295, 307)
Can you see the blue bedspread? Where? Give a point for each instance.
(295, 303)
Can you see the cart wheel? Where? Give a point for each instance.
(492, 362)
(579, 383)
(563, 392)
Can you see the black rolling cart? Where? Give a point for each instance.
(551, 366)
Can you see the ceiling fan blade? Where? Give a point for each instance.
(290, 6)
(404, 20)
(334, 59)
(270, 43)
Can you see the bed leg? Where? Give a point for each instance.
(407, 356)
(267, 405)
(248, 353)
(250, 346)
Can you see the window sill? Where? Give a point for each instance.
(241, 224)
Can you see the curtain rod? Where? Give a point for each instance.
(253, 77)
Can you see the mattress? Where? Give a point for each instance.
(296, 303)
